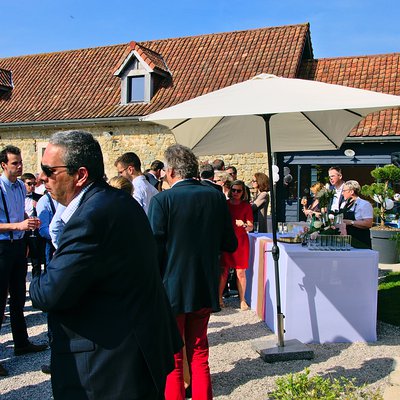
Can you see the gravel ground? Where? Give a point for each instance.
(237, 370)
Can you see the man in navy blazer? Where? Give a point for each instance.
(207, 177)
(113, 333)
(192, 225)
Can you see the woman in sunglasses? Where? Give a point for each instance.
(242, 220)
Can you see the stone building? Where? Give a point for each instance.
(105, 90)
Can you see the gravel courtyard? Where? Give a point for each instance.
(237, 370)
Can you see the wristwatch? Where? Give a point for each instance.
(352, 222)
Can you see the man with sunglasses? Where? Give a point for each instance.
(113, 335)
(13, 266)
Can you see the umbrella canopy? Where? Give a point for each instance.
(307, 115)
(271, 114)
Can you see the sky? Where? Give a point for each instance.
(338, 27)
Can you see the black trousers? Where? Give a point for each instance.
(35, 250)
(13, 269)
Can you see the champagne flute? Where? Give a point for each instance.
(33, 217)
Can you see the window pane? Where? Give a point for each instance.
(136, 88)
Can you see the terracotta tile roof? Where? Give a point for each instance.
(380, 73)
(5, 79)
(153, 59)
(80, 84)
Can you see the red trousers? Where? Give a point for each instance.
(193, 329)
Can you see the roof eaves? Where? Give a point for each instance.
(71, 122)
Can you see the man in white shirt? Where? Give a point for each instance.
(337, 183)
(129, 166)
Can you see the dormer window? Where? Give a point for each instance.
(140, 75)
(136, 89)
(6, 83)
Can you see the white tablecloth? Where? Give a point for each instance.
(326, 296)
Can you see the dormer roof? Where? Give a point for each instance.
(148, 58)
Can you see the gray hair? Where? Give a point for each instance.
(81, 149)
(182, 160)
(353, 185)
(225, 177)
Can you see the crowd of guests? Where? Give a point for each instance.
(63, 221)
(156, 260)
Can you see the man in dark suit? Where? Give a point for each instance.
(113, 333)
(153, 175)
(191, 224)
(207, 177)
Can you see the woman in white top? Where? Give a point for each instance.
(359, 215)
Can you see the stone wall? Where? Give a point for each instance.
(147, 141)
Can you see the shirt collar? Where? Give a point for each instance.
(181, 180)
(73, 206)
(140, 178)
(7, 182)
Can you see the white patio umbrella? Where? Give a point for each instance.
(273, 114)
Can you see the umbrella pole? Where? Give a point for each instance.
(275, 248)
(293, 349)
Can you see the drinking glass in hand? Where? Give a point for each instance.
(255, 227)
(37, 223)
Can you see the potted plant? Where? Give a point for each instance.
(383, 194)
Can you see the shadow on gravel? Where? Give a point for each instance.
(217, 324)
(20, 365)
(378, 368)
(239, 333)
(31, 319)
(247, 370)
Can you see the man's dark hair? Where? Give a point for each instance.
(131, 159)
(182, 160)
(81, 150)
(11, 150)
(156, 165)
(26, 176)
(206, 171)
(218, 164)
(232, 167)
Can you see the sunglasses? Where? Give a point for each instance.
(49, 171)
(30, 183)
(236, 190)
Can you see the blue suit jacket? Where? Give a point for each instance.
(113, 333)
(192, 225)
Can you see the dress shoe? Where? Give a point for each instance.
(30, 348)
(46, 369)
(3, 371)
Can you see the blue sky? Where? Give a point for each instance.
(338, 27)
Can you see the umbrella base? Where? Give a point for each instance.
(293, 349)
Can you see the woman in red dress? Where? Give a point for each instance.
(242, 220)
